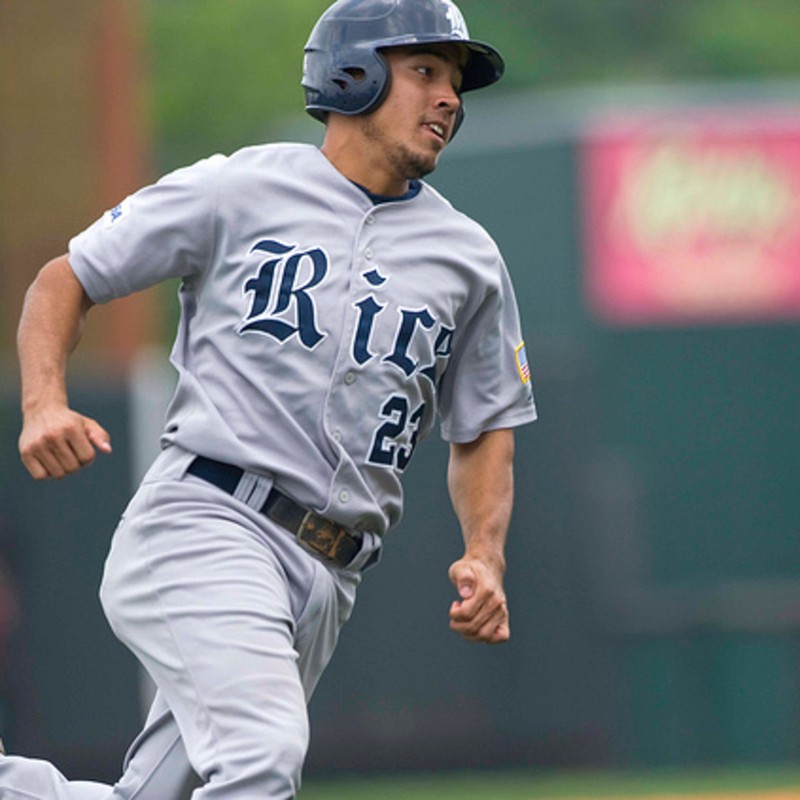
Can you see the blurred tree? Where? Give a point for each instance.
(743, 38)
(225, 74)
(557, 42)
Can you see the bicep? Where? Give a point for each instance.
(55, 301)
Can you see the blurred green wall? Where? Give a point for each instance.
(654, 557)
(69, 692)
(682, 505)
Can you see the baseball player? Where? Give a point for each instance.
(333, 306)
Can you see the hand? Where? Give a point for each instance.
(58, 441)
(481, 615)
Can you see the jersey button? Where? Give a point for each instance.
(344, 495)
(370, 220)
(337, 436)
(368, 254)
(350, 378)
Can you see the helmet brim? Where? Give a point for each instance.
(484, 67)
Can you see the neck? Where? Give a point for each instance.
(360, 165)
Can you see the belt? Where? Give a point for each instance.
(322, 535)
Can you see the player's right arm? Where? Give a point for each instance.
(55, 440)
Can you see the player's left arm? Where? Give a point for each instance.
(481, 482)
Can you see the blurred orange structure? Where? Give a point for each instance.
(74, 140)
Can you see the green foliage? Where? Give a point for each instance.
(228, 73)
(223, 72)
(743, 38)
(579, 41)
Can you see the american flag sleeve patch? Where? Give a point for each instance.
(522, 363)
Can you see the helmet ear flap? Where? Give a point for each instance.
(351, 81)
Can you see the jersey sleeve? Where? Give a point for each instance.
(488, 382)
(163, 231)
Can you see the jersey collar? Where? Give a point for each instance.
(414, 188)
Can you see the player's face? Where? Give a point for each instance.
(415, 122)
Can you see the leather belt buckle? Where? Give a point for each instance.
(326, 537)
(317, 533)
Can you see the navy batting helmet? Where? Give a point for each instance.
(344, 70)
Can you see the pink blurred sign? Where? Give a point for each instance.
(693, 218)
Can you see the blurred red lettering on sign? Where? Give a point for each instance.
(693, 218)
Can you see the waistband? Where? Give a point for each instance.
(319, 534)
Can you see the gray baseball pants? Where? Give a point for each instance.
(235, 623)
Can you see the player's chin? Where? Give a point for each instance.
(419, 168)
(421, 162)
(435, 152)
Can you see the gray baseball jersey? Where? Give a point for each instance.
(320, 333)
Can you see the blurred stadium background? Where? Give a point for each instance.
(640, 169)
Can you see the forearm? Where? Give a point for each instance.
(481, 483)
(480, 477)
(50, 328)
(55, 440)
